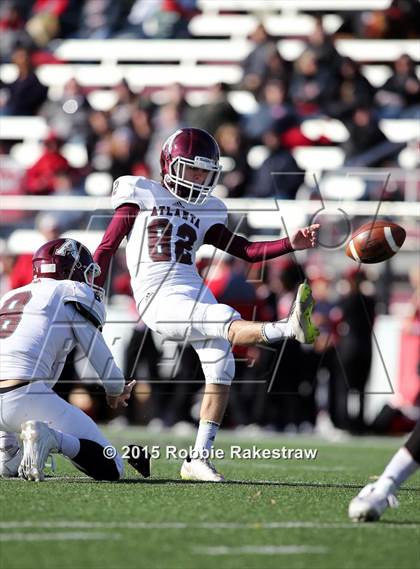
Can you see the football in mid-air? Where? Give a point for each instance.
(375, 241)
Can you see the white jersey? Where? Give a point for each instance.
(167, 232)
(42, 322)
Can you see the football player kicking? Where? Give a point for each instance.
(39, 325)
(165, 223)
(374, 499)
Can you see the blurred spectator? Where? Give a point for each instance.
(24, 96)
(173, 18)
(41, 177)
(276, 67)
(49, 226)
(352, 90)
(142, 363)
(324, 313)
(400, 94)
(176, 94)
(165, 121)
(367, 145)
(290, 401)
(413, 318)
(354, 349)
(44, 22)
(310, 85)
(236, 171)
(126, 100)
(322, 46)
(122, 158)
(99, 134)
(142, 132)
(99, 19)
(7, 262)
(273, 112)
(399, 20)
(403, 17)
(68, 116)
(214, 113)
(279, 174)
(12, 29)
(141, 20)
(255, 66)
(67, 183)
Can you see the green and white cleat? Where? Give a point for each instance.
(200, 469)
(304, 330)
(38, 442)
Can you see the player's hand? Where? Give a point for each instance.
(115, 401)
(305, 238)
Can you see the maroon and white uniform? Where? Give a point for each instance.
(161, 251)
(43, 321)
(163, 235)
(39, 325)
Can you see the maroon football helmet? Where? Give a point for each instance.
(63, 259)
(195, 148)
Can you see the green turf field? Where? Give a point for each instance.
(270, 514)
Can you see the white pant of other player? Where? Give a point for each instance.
(38, 402)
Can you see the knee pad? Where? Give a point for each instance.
(92, 461)
(217, 360)
(218, 318)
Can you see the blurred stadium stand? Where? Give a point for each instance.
(219, 43)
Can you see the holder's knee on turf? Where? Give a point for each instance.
(92, 461)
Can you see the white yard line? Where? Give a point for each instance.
(56, 536)
(261, 550)
(79, 524)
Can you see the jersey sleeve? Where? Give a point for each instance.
(86, 301)
(93, 345)
(126, 190)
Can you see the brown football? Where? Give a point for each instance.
(375, 241)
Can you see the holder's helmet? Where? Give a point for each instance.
(63, 259)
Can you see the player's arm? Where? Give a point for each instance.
(221, 237)
(93, 345)
(120, 226)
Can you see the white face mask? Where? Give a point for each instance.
(186, 190)
(91, 272)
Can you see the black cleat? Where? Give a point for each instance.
(142, 461)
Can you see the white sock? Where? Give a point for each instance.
(69, 445)
(275, 331)
(401, 467)
(207, 431)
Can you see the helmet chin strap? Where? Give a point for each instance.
(92, 271)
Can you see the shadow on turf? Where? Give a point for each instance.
(252, 483)
(168, 481)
